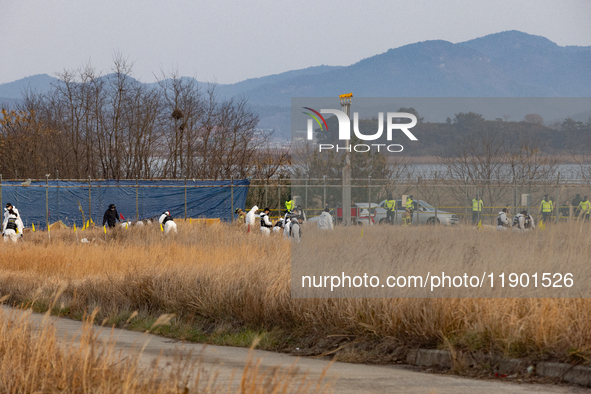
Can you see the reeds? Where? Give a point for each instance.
(34, 360)
(221, 276)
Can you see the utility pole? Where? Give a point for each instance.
(346, 175)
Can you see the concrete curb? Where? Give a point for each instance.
(569, 373)
(429, 358)
(442, 358)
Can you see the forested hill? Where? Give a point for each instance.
(506, 64)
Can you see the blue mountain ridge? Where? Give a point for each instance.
(505, 64)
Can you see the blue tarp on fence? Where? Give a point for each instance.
(206, 199)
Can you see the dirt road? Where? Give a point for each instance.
(350, 378)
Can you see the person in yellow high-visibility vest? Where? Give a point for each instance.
(546, 208)
(410, 206)
(390, 208)
(584, 208)
(476, 209)
(289, 204)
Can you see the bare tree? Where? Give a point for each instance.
(182, 112)
(491, 157)
(114, 126)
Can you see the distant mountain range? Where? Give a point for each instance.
(506, 64)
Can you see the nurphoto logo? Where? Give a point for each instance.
(393, 122)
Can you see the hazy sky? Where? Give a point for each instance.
(228, 41)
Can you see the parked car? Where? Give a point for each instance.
(424, 213)
(359, 216)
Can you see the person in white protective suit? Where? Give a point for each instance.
(278, 226)
(296, 230)
(503, 220)
(325, 220)
(286, 227)
(12, 226)
(298, 211)
(250, 218)
(523, 222)
(266, 224)
(125, 225)
(166, 221)
(10, 206)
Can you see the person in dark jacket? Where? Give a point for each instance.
(575, 203)
(111, 216)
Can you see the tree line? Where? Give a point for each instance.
(113, 126)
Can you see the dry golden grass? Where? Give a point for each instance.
(222, 277)
(33, 360)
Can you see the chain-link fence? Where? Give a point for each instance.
(447, 201)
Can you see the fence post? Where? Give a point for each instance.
(436, 197)
(529, 199)
(231, 198)
(1, 203)
(266, 194)
(137, 202)
(514, 198)
(418, 204)
(369, 199)
(467, 201)
(478, 202)
(89, 202)
(186, 201)
(47, 200)
(557, 197)
(324, 198)
(278, 199)
(395, 199)
(306, 200)
(57, 178)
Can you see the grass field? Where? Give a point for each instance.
(32, 360)
(228, 287)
